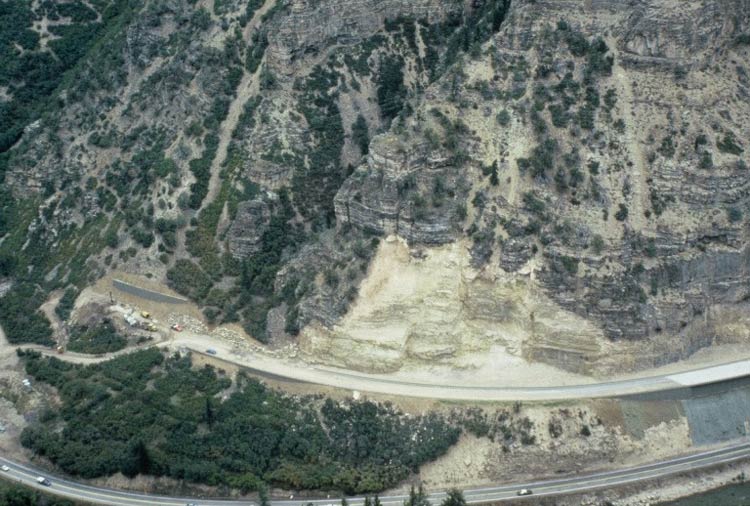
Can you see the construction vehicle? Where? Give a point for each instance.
(60, 350)
(147, 326)
(145, 314)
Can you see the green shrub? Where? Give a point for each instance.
(361, 135)
(533, 203)
(585, 117)
(503, 118)
(102, 338)
(542, 159)
(189, 280)
(201, 19)
(560, 117)
(622, 213)
(729, 145)
(66, 303)
(578, 44)
(707, 161)
(667, 148)
(12, 494)
(570, 264)
(142, 237)
(144, 414)
(391, 92)
(21, 318)
(734, 214)
(597, 244)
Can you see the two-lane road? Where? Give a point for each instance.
(577, 484)
(300, 371)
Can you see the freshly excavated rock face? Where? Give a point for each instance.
(430, 306)
(435, 308)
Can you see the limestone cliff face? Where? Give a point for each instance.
(246, 231)
(621, 189)
(692, 32)
(313, 25)
(376, 197)
(431, 306)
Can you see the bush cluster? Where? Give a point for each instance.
(144, 414)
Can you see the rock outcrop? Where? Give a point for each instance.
(246, 232)
(377, 197)
(313, 26)
(635, 225)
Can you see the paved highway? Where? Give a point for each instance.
(583, 483)
(297, 370)
(383, 384)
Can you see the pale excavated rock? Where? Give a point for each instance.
(438, 309)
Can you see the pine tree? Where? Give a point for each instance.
(209, 413)
(263, 495)
(455, 498)
(494, 180)
(142, 459)
(417, 497)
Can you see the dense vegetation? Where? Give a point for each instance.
(15, 495)
(32, 74)
(142, 413)
(22, 321)
(101, 338)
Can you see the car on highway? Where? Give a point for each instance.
(43, 481)
(5, 468)
(211, 351)
(524, 491)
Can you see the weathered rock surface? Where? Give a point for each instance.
(314, 25)
(376, 197)
(657, 275)
(246, 232)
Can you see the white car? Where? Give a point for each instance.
(5, 468)
(524, 491)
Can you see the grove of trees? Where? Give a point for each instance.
(146, 414)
